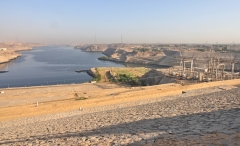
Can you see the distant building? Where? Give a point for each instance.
(3, 49)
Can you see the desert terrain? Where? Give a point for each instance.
(9, 50)
(110, 114)
(114, 110)
(7, 55)
(165, 54)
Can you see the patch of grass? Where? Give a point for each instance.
(201, 50)
(103, 58)
(142, 49)
(97, 78)
(132, 80)
(121, 74)
(80, 98)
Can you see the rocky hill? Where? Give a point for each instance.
(19, 46)
(7, 55)
(8, 50)
(168, 57)
(133, 56)
(92, 48)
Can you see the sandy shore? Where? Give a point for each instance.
(21, 102)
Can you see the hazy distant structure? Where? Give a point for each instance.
(215, 69)
(121, 38)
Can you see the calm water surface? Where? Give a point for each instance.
(50, 65)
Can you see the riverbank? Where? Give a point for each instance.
(10, 50)
(21, 103)
(7, 56)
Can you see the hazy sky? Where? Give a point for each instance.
(139, 21)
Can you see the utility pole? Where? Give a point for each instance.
(232, 74)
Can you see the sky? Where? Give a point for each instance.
(137, 21)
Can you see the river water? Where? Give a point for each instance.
(50, 65)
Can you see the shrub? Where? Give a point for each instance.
(80, 98)
(142, 49)
(103, 58)
(98, 77)
(124, 78)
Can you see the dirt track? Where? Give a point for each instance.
(21, 102)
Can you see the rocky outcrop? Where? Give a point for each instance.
(92, 72)
(169, 57)
(153, 77)
(92, 48)
(7, 55)
(133, 56)
(19, 46)
(8, 50)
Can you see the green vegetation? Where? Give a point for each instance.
(112, 80)
(224, 48)
(103, 58)
(120, 74)
(201, 50)
(79, 98)
(97, 78)
(142, 49)
(124, 78)
(133, 71)
(156, 50)
(143, 83)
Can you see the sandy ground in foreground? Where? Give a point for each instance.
(21, 102)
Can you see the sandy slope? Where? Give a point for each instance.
(12, 47)
(7, 55)
(21, 102)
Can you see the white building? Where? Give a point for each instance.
(3, 49)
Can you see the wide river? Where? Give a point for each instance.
(50, 65)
